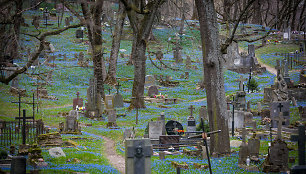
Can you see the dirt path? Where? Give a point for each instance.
(114, 159)
(269, 68)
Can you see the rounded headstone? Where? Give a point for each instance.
(172, 125)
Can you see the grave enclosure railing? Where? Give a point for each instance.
(294, 59)
(11, 132)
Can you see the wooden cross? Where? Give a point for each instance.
(191, 109)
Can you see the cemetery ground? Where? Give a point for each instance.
(88, 152)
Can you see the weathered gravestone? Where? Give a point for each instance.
(238, 119)
(177, 55)
(254, 146)
(74, 113)
(95, 105)
(77, 101)
(155, 129)
(111, 118)
(149, 80)
(152, 91)
(18, 165)
(203, 113)
(129, 133)
(109, 102)
(81, 57)
(138, 156)
(188, 62)
(72, 124)
(248, 120)
(191, 122)
(244, 150)
(277, 159)
(301, 148)
(240, 100)
(276, 108)
(118, 101)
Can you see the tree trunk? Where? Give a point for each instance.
(214, 77)
(257, 13)
(112, 68)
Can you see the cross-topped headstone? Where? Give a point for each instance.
(241, 80)
(191, 108)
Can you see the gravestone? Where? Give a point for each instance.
(74, 113)
(244, 150)
(259, 107)
(174, 128)
(72, 124)
(249, 106)
(188, 62)
(18, 165)
(149, 80)
(191, 123)
(275, 110)
(248, 120)
(67, 21)
(240, 100)
(301, 148)
(162, 119)
(155, 129)
(111, 118)
(94, 105)
(152, 91)
(203, 113)
(241, 80)
(129, 133)
(109, 102)
(238, 120)
(177, 55)
(254, 146)
(15, 82)
(81, 57)
(138, 156)
(286, 71)
(118, 101)
(277, 159)
(77, 101)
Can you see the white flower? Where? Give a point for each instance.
(122, 50)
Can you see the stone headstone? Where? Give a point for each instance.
(162, 119)
(249, 106)
(77, 101)
(240, 100)
(149, 80)
(259, 107)
(244, 150)
(56, 152)
(74, 113)
(18, 165)
(109, 101)
(111, 117)
(67, 21)
(152, 91)
(254, 146)
(81, 57)
(238, 120)
(118, 101)
(71, 124)
(155, 129)
(138, 156)
(128, 134)
(203, 113)
(248, 120)
(177, 55)
(275, 110)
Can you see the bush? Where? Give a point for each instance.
(252, 85)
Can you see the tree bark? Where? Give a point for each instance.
(214, 77)
(112, 68)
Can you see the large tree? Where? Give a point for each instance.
(141, 16)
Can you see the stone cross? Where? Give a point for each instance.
(241, 80)
(278, 67)
(280, 120)
(191, 110)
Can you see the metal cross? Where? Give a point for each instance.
(241, 80)
(233, 120)
(191, 109)
(24, 125)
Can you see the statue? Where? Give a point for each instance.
(280, 92)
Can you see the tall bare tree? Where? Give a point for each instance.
(141, 16)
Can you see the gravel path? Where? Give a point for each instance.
(114, 159)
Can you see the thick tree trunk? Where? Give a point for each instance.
(257, 19)
(214, 77)
(112, 68)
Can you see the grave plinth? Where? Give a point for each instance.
(109, 101)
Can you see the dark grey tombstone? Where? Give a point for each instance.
(275, 110)
(244, 150)
(111, 117)
(278, 156)
(153, 90)
(254, 145)
(118, 101)
(138, 156)
(18, 165)
(71, 124)
(301, 146)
